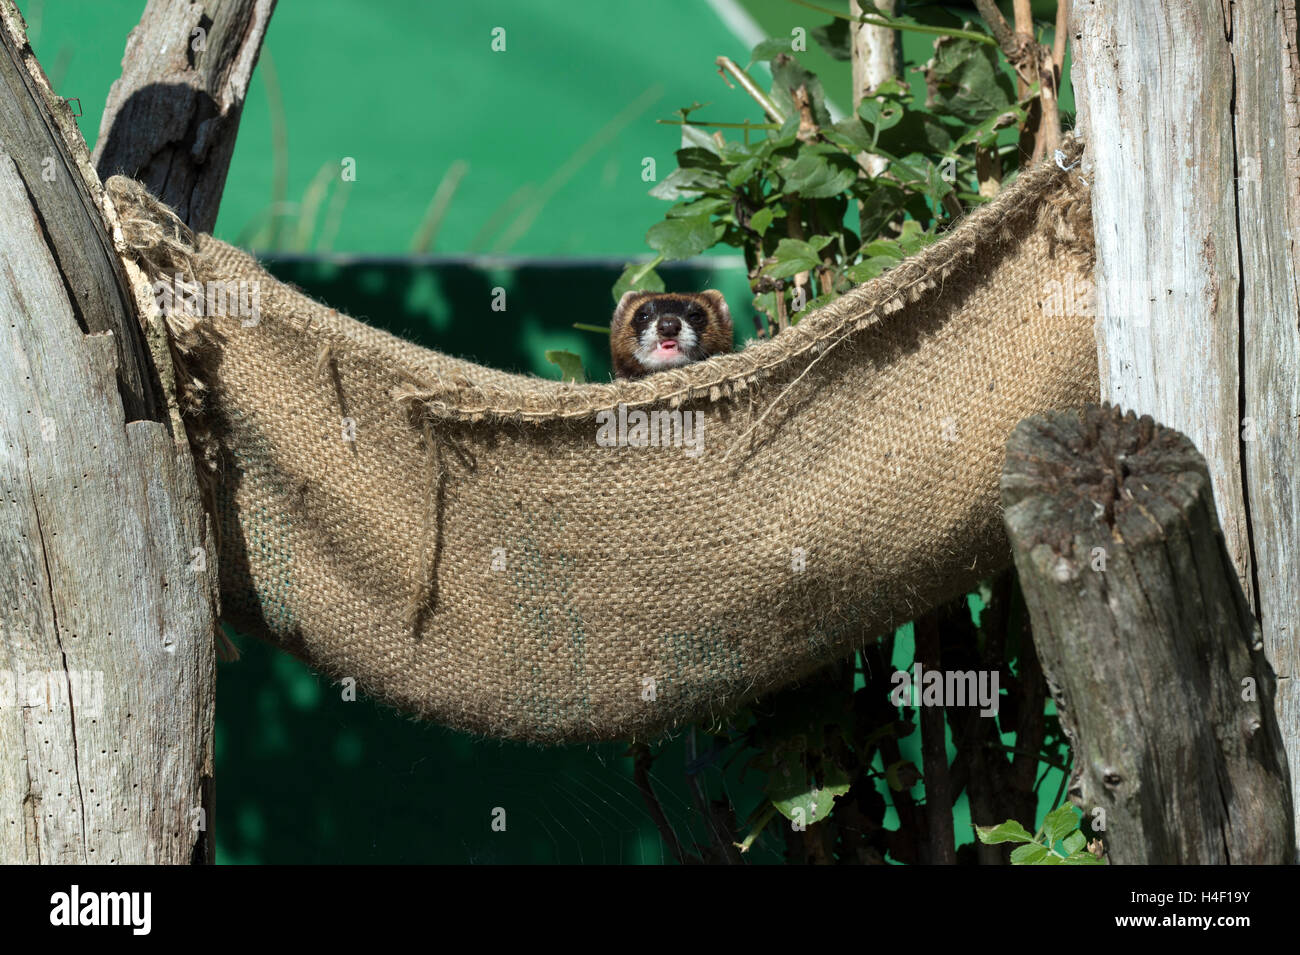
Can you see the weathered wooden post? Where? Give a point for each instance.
(108, 583)
(1191, 115)
(1146, 640)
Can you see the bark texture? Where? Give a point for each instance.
(171, 118)
(107, 571)
(1190, 111)
(1146, 640)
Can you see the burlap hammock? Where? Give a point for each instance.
(489, 551)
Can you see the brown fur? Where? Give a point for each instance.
(713, 338)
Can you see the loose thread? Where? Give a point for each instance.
(424, 595)
(784, 391)
(324, 359)
(1060, 161)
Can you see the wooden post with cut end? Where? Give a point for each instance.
(171, 117)
(1191, 113)
(108, 576)
(1149, 646)
(108, 582)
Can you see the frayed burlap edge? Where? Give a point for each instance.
(1051, 191)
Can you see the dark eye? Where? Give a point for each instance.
(641, 319)
(695, 315)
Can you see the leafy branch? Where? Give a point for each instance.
(1060, 826)
(781, 196)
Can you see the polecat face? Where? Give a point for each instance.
(653, 331)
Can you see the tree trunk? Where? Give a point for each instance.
(171, 117)
(109, 601)
(109, 604)
(1191, 116)
(1147, 641)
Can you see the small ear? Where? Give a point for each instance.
(718, 302)
(627, 302)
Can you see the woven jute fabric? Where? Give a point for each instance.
(468, 545)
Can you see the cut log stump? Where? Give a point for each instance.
(1148, 645)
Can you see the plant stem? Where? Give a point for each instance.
(998, 25)
(647, 268)
(1038, 756)
(641, 762)
(700, 122)
(759, 824)
(1060, 790)
(1062, 30)
(727, 65)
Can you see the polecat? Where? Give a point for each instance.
(652, 331)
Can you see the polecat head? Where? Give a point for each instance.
(652, 331)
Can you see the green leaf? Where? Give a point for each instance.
(570, 365)
(919, 129)
(850, 134)
(986, 133)
(884, 249)
(793, 256)
(917, 171)
(699, 139)
(1074, 842)
(1060, 823)
(695, 157)
(911, 169)
(835, 39)
(787, 135)
(769, 48)
(761, 219)
(686, 184)
(898, 774)
(881, 201)
(1030, 855)
(705, 206)
(893, 88)
(796, 798)
(869, 268)
(816, 176)
(739, 152)
(913, 238)
(1083, 858)
(1009, 831)
(639, 277)
(788, 75)
(684, 237)
(740, 174)
(878, 116)
(965, 80)
(813, 305)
